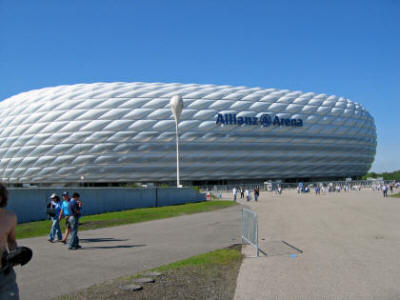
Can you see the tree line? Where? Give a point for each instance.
(395, 175)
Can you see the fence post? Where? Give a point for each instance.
(156, 197)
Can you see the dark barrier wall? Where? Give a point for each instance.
(30, 203)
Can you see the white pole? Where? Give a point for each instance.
(176, 104)
(178, 184)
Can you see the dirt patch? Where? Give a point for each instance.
(205, 281)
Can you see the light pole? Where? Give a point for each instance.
(176, 104)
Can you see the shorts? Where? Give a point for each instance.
(67, 222)
(8, 286)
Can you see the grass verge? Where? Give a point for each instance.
(395, 195)
(207, 276)
(219, 257)
(41, 228)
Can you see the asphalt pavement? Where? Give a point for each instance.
(123, 250)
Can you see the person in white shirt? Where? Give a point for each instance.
(385, 190)
(247, 194)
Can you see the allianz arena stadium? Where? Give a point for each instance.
(125, 132)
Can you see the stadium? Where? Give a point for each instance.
(125, 132)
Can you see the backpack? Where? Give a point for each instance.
(75, 208)
(50, 210)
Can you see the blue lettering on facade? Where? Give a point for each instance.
(247, 120)
(299, 123)
(265, 120)
(220, 119)
(277, 122)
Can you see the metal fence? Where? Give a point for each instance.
(29, 204)
(250, 228)
(271, 185)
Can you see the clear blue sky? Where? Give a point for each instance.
(346, 48)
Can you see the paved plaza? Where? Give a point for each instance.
(350, 243)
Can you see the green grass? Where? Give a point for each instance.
(184, 279)
(395, 195)
(224, 256)
(218, 257)
(42, 228)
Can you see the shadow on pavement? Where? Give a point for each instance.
(277, 248)
(99, 240)
(114, 247)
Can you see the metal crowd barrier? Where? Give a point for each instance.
(250, 228)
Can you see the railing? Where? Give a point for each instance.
(250, 228)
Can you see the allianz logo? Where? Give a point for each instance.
(265, 120)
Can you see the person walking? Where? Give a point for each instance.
(65, 214)
(256, 192)
(247, 194)
(241, 193)
(8, 242)
(279, 189)
(74, 214)
(234, 192)
(317, 190)
(385, 190)
(55, 221)
(78, 200)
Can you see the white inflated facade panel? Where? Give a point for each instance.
(121, 132)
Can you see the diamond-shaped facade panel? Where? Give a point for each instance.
(110, 132)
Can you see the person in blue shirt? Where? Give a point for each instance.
(65, 213)
(74, 208)
(55, 225)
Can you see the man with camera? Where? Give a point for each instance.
(8, 242)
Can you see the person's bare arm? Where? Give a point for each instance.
(12, 235)
(60, 215)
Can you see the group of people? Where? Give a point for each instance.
(71, 210)
(246, 191)
(10, 254)
(384, 188)
(337, 188)
(323, 188)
